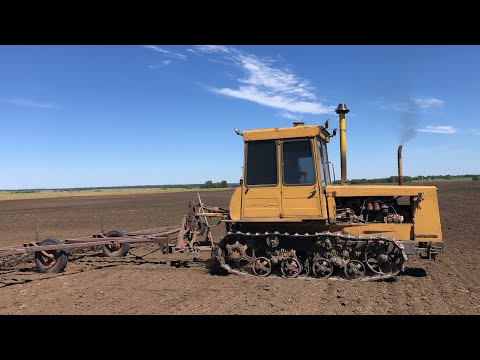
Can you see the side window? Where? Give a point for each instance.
(323, 163)
(320, 165)
(262, 163)
(298, 165)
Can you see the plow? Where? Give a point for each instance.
(51, 254)
(288, 218)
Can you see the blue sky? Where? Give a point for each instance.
(78, 116)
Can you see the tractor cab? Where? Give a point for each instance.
(285, 173)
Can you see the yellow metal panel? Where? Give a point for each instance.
(261, 202)
(331, 208)
(235, 204)
(266, 219)
(297, 201)
(397, 231)
(427, 219)
(379, 190)
(285, 133)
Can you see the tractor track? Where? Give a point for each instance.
(313, 238)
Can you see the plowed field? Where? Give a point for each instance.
(92, 284)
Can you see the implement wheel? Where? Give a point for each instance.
(116, 250)
(51, 261)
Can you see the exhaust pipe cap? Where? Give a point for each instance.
(342, 109)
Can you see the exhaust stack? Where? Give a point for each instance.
(400, 170)
(341, 111)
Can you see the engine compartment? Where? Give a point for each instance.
(383, 209)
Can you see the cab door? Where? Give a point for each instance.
(261, 198)
(300, 186)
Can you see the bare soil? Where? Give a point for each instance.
(92, 284)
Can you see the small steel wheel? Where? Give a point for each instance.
(240, 254)
(112, 250)
(354, 269)
(261, 266)
(51, 261)
(322, 268)
(376, 259)
(396, 260)
(291, 268)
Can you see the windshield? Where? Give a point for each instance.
(323, 163)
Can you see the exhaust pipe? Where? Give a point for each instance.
(400, 170)
(341, 111)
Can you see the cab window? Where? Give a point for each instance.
(262, 163)
(298, 165)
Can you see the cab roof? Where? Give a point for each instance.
(301, 131)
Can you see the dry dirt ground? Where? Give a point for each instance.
(92, 284)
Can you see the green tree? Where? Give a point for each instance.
(211, 185)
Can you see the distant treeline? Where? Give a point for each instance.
(211, 185)
(206, 185)
(223, 184)
(406, 179)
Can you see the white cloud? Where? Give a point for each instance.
(446, 129)
(31, 103)
(261, 74)
(166, 52)
(475, 131)
(277, 101)
(425, 103)
(211, 49)
(289, 115)
(164, 63)
(263, 82)
(266, 84)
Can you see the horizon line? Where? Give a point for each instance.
(198, 184)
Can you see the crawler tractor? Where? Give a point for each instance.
(288, 219)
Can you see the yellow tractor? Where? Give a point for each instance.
(288, 219)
